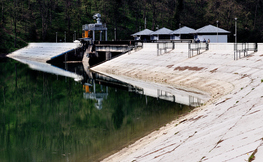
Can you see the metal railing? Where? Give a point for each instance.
(244, 48)
(138, 45)
(196, 47)
(163, 47)
(195, 102)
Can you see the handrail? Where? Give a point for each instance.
(164, 46)
(196, 47)
(244, 47)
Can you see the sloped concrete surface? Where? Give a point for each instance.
(37, 54)
(229, 127)
(42, 52)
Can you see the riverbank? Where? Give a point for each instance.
(228, 127)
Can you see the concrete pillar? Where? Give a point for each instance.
(94, 86)
(100, 35)
(108, 55)
(106, 35)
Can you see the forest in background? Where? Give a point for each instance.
(25, 21)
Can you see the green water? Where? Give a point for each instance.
(44, 117)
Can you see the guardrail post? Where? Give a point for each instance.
(246, 48)
(189, 50)
(235, 52)
(157, 49)
(198, 48)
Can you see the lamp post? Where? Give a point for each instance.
(217, 31)
(145, 23)
(179, 28)
(235, 50)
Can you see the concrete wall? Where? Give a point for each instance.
(221, 46)
(150, 46)
(181, 46)
(184, 46)
(58, 45)
(260, 46)
(212, 46)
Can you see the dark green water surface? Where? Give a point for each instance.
(46, 117)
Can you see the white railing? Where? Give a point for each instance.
(196, 47)
(244, 48)
(163, 47)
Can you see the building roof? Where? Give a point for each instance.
(143, 32)
(184, 30)
(211, 29)
(162, 31)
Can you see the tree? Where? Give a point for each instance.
(178, 11)
(39, 20)
(15, 20)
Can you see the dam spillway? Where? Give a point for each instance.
(43, 52)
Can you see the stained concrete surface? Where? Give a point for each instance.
(228, 127)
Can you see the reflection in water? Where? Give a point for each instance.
(46, 117)
(165, 95)
(94, 94)
(148, 89)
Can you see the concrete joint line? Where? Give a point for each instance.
(176, 146)
(222, 138)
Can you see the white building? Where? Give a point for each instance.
(213, 33)
(183, 33)
(161, 34)
(142, 35)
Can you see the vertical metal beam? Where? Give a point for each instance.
(106, 35)
(235, 49)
